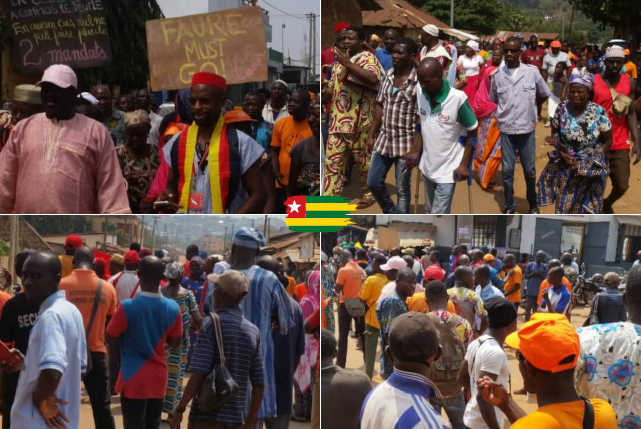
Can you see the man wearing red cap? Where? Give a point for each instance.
(352, 90)
(72, 242)
(327, 56)
(213, 168)
(59, 161)
(548, 348)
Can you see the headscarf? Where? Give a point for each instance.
(584, 79)
(472, 44)
(311, 301)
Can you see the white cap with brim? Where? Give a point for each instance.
(60, 75)
(431, 29)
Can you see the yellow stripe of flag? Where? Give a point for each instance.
(325, 221)
(330, 207)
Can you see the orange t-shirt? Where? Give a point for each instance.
(301, 291)
(417, 302)
(545, 285)
(4, 297)
(350, 277)
(517, 278)
(291, 285)
(568, 415)
(80, 288)
(287, 134)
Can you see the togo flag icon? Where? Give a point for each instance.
(323, 213)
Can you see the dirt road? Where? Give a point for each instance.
(492, 201)
(355, 361)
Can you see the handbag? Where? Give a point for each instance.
(219, 386)
(94, 309)
(620, 103)
(355, 307)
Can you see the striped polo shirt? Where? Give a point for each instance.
(244, 361)
(402, 402)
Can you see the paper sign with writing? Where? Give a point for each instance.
(230, 43)
(58, 32)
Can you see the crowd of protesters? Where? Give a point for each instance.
(468, 111)
(90, 152)
(443, 327)
(145, 327)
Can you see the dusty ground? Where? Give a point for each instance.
(492, 201)
(355, 361)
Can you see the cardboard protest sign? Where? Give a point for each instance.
(230, 43)
(58, 32)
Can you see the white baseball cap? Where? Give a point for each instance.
(60, 75)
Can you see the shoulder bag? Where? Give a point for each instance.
(94, 309)
(219, 386)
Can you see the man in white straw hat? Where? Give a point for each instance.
(435, 48)
(66, 157)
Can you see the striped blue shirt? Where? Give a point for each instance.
(243, 360)
(402, 402)
(267, 302)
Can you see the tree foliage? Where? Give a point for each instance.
(623, 15)
(126, 21)
(58, 225)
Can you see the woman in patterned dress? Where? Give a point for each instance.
(575, 176)
(138, 160)
(177, 358)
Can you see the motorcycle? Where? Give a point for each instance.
(585, 290)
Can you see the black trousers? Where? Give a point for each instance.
(9, 387)
(97, 385)
(141, 413)
(344, 322)
(113, 345)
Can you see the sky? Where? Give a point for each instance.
(296, 26)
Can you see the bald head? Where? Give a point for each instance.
(463, 276)
(269, 263)
(463, 260)
(40, 276)
(430, 76)
(150, 271)
(83, 258)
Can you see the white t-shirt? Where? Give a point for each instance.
(57, 341)
(125, 282)
(471, 66)
(485, 355)
(442, 152)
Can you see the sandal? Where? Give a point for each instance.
(366, 201)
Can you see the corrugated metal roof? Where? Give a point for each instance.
(400, 14)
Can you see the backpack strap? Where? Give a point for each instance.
(94, 309)
(588, 414)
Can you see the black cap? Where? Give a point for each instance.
(500, 312)
(413, 337)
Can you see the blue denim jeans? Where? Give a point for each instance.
(438, 196)
(378, 169)
(525, 146)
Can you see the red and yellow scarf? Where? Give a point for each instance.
(219, 166)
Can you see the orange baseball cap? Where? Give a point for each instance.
(555, 44)
(626, 51)
(548, 342)
(488, 257)
(237, 115)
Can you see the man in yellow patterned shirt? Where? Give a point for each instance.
(352, 90)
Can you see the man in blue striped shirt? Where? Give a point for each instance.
(243, 359)
(403, 400)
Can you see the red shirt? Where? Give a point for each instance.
(533, 57)
(434, 272)
(602, 97)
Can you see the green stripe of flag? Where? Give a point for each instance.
(313, 214)
(315, 228)
(326, 199)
